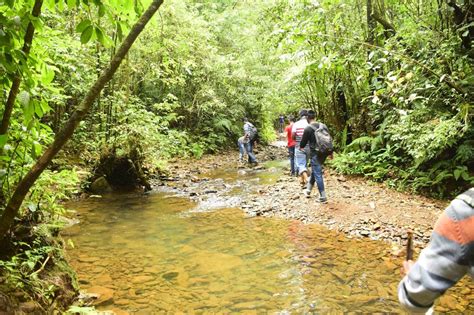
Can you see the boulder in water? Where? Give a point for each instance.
(100, 186)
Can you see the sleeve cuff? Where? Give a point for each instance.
(409, 305)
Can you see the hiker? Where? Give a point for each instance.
(282, 122)
(291, 145)
(250, 134)
(242, 151)
(301, 157)
(448, 257)
(318, 156)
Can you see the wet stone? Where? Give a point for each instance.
(29, 307)
(104, 296)
(170, 275)
(141, 279)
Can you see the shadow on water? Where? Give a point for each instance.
(150, 254)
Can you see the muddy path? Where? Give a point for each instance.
(356, 206)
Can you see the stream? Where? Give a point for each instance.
(163, 252)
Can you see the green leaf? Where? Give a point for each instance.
(36, 149)
(83, 25)
(60, 6)
(37, 23)
(45, 108)
(24, 98)
(128, 6)
(50, 4)
(119, 31)
(28, 111)
(71, 3)
(100, 35)
(3, 140)
(38, 110)
(47, 75)
(30, 264)
(101, 10)
(457, 173)
(87, 34)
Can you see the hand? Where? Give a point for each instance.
(407, 265)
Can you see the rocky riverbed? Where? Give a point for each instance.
(356, 206)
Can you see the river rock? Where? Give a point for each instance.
(87, 259)
(171, 275)
(117, 311)
(103, 279)
(142, 279)
(104, 296)
(100, 186)
(29, 307)
(152, 270)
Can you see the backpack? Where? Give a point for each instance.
(324, 146)
(253, 132)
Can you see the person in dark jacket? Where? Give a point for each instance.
(316, 161)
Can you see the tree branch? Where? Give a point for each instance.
(389, 28)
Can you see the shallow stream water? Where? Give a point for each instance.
(155, 252)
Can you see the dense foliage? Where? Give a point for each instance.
(394, 82)
(392, 79)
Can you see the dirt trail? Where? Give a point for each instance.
(356, 206)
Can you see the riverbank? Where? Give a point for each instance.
(356, 206)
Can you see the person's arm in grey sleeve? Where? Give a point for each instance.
(442, 263)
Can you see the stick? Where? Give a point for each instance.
(410, 246)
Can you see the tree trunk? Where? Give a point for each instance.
(370, 23)
(30, 30)
(13, 206)
(463, 16)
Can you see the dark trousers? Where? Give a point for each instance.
(291, 156)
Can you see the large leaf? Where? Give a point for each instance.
(83, 25)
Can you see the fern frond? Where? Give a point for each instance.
(222, 124)
(360, 143)
(465, 152)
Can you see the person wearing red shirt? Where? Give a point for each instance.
(291, 145)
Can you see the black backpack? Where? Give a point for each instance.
(324, 144)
